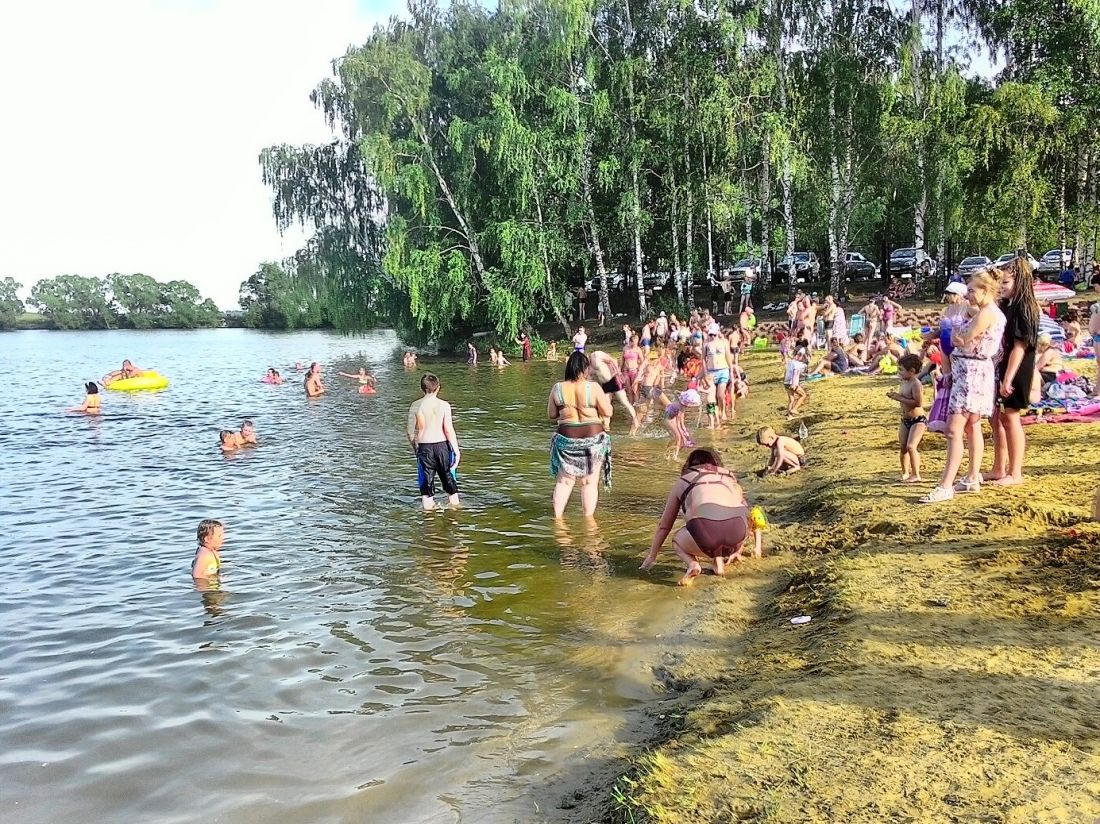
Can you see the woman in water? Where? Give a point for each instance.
(91, 400)
(972, 386)
(716, 516)
(580, 449)
(631, 366)
(362, 376)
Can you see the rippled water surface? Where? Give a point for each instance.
(362, 661)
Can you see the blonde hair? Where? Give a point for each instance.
(988, 279)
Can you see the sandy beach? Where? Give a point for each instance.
(951, 667)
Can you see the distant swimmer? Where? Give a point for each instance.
(91, 400)
(471, 354)
(716, 517)
(272, 377)
(431, 433)
(230, 441)
(409, 360)
(248, 433)
(605, 370)
(128, 370)
(208, 561)
(364, 377)
(312, 383)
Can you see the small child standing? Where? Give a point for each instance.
(792, 380)
(709, 391)
(208, 563)
(787, 453)
(914, 420)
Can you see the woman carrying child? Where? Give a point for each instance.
(716, 517)
(972, 386)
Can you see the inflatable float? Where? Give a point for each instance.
(367, 389)
(147, 380)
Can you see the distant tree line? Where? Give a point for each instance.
(117, 301)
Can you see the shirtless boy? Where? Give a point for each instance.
(312, 382)
(605, 371)
(787, 453)
(914, 420)
(431, 433)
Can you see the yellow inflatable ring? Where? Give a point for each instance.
(148, 380)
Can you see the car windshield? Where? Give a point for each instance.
(975, 261)
(1056, 253)
(744, 264)
(1006, 258)
(904, 253)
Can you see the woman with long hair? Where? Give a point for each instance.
(581, 448)
(973, 386)
(716, 516)
(1015, 372)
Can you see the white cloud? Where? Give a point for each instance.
(132, 127)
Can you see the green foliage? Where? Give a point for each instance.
(11, 307)
(484, 160)
(75, 302)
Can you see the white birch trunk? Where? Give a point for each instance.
(765, 208)
(917, 49)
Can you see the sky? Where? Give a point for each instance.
(131, 130)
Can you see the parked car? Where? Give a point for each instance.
(857, 267)
(748, 267)
(907, 262)
(615, 280)
(1005, 258)
(807, 267)
(1054, 261)
(970, 265)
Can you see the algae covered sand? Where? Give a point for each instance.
(951, 669)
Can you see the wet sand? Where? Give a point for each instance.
(951, 669)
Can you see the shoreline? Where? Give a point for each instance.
(951, 669)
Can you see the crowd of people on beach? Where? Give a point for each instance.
(988, 358)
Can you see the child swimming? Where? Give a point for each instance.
(230, 440)
(91, 400)
(208, 561)
(248, 432)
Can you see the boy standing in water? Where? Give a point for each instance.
(312, 383)
(431, 433)
(208, 563)
(914, 420)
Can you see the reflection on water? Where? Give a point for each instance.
(360, 659)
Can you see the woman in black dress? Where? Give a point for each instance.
(1015, 372)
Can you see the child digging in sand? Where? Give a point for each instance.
(914, 420)
(787, 453)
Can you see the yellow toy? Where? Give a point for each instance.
(758, 522)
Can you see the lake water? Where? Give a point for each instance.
(362, 661)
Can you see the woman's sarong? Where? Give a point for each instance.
(580, 457)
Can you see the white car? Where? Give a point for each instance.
(1003, 259)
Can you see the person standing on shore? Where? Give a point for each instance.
(581, 448)
(431, 433)
(582, 302)
(1015, 372)
(973, 386)
(580, 340)
(872, 316)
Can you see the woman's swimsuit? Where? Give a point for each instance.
(722, 536)
(911, 422)
(580, 428)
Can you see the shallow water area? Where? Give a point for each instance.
(361, 660)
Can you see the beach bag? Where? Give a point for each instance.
(937, 415)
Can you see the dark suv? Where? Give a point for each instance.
(907, 262)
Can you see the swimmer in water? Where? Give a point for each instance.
(91, 400)
(128, 370)
(363, 376)
(605, 371)
(229, 440)
(409, 360)
(208, 561)
(248, 433)
(312, 383)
